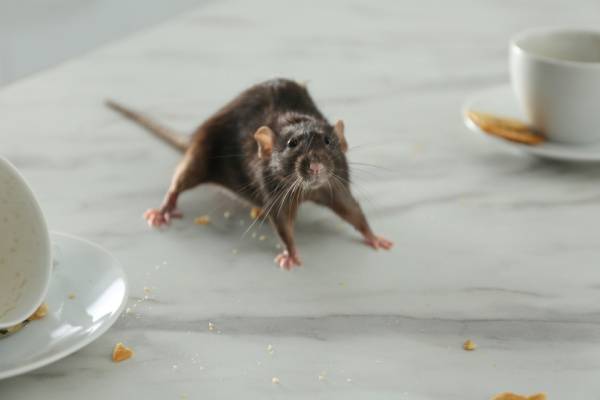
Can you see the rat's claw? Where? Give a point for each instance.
(287, 261)
(157, 218)
(378, 242)
(154, 217)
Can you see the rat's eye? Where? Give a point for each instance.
(327, 139)
(293, 142)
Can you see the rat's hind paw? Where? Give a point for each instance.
(378, 242)
(287, 261)
(157, 218)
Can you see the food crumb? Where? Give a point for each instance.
(322, 376)
(349, 380)
(255, 212)
(121, 353)
(262, 237)
(270, 349)
(211, 326)
(512, 396)
(71, 296)
(275, 380)
(40, 313)
(469, 345)
(202, 220)
(227, 214)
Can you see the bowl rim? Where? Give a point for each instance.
(516, 48)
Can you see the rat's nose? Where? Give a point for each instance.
(316, 168)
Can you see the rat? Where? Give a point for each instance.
(271, 146)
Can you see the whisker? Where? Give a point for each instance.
(364, 145)
(355, 186)
(280, 190)
(286, 195)
(273, 204)
(277, 192)
(370, 165)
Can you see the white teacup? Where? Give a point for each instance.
(555, 75)
(25, 255)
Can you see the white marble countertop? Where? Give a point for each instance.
(497, 247)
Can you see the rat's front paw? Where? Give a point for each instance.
(287, 261)
(378, 242)
(157, 218)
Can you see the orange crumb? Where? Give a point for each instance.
(469, 345)
(202, 220)
(255, 212)
(121, 353)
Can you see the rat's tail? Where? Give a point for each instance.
(176, 140)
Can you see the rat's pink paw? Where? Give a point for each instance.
(378, 242)
(157, 218)
(287, 261)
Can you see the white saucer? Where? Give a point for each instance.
(98, 288)
(501, 101)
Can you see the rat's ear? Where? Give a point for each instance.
(264, 137)
(338, 128)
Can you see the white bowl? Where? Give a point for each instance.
(25, 255)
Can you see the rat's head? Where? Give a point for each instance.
(304, 150)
